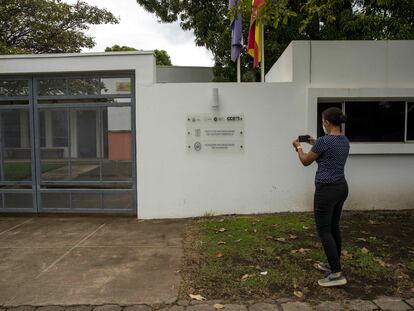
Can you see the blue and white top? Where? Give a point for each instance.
(333, 151)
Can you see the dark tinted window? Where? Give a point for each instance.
(410, 122)
(321, 108)
(375, 121)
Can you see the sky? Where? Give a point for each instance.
(140, 29)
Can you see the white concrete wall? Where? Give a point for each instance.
(282, 70)
(267, 177)
(358, 64)
(183, 74)
(143, 63)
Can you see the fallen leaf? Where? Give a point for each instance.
(372, 238)
(269, 237)
(221, 220)
(221, 230)
(381, 262)
(364, 232)
(263, 273)
(218, 306)
(303, 250)
(281, 239)
(221, 243)
(371, 222)
(238, 241)
(197, 297)
(254, 230)
(305, 227)
(364, 250)
(246, 276)
(312, 235)
(278, 258)
(346, 254)
(308, 259)
(362, 239)
(292, 237)
(274, 225)
(218, 255)
(298, 293)
(294, 251)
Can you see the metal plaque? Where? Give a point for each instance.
(215, 133)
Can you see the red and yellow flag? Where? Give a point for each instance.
(255, 42)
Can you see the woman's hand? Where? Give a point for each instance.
(296, 143)
(311, 141)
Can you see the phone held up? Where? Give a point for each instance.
(304, 138)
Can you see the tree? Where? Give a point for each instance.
(48, 26)
(286, 20)
(161, 56)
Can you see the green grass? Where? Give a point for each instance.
(221, 250)
(23, 170)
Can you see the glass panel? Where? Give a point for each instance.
(14, 88)
(117, 161)
(84, 86)
(13, 102)
(85, 170)
(54, 142)
(321, 108)
(86, 101)
(375, 121)
(410, 122)
(121, 200)
(55, 200)
(1, 201)
(86, 201)
(17, 161)
(52, 87)
(18, 200)
(116, 85)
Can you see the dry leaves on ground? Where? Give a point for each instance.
(219, 255)
(218, 306)
(221, 230)
(364, 250)
(221, 243)
(298, 293)
(281, 239)
(197, 297)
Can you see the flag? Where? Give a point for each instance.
(254, 43)
(236, 33)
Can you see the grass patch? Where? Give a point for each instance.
(272, 256)
(23, 170)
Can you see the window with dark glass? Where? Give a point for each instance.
(410, 121)
(321, 108)
(379, 121)
(14, 88)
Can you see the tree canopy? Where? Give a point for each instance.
(161, 56)
(48, 26)
(285, 20)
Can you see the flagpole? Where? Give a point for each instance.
(262, 65)
(238, 69)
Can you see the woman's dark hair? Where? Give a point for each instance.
(334, 115)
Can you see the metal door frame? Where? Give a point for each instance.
(35, 107)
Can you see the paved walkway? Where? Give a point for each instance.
(385, 303)
(89, 260)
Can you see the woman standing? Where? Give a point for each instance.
(330, 152)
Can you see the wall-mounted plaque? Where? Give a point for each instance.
(215, 133)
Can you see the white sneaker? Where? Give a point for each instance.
(332, 280)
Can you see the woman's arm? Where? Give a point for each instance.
(306, 158)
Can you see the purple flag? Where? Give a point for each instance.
(236, 33)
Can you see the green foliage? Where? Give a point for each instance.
(286, 20)
(117, 48)
(161, 56)
(48, 26)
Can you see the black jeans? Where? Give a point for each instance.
(328, 202)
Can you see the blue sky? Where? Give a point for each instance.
(140, 29)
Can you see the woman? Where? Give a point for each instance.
(330, 152)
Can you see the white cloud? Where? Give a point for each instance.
(140, 29)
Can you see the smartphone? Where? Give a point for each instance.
(304, 138)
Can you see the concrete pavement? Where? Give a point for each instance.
(89, 261)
